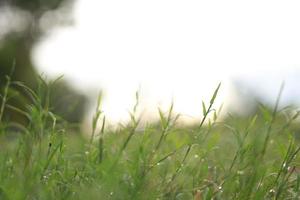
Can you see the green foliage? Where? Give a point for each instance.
(15, 50)
(37, 5)
(231, 158)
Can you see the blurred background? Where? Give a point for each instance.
(167, 50)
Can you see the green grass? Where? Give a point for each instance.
(252, 157)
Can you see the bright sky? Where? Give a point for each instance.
(172, 49)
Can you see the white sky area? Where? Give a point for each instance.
(174, 49)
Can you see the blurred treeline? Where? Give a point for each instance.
(22, 24)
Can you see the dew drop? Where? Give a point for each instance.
(240, 172)
(284, 165)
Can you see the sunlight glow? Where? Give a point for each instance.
(170, 49)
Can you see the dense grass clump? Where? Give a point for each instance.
(43, 157)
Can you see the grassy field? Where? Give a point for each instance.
(252, 157)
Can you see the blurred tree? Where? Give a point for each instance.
(24, 23)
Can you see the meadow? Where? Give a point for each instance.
(45, 157)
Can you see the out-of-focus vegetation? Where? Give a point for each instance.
(25, 22)
(254, 157)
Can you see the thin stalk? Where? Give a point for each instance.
(4, 98)
(273, 118)
(96, 117)
(101, 141)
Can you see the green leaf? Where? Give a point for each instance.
(215, 94)
(163, 120)
(265, 113)
(253, 120)
(203, 108)
(215, 116)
